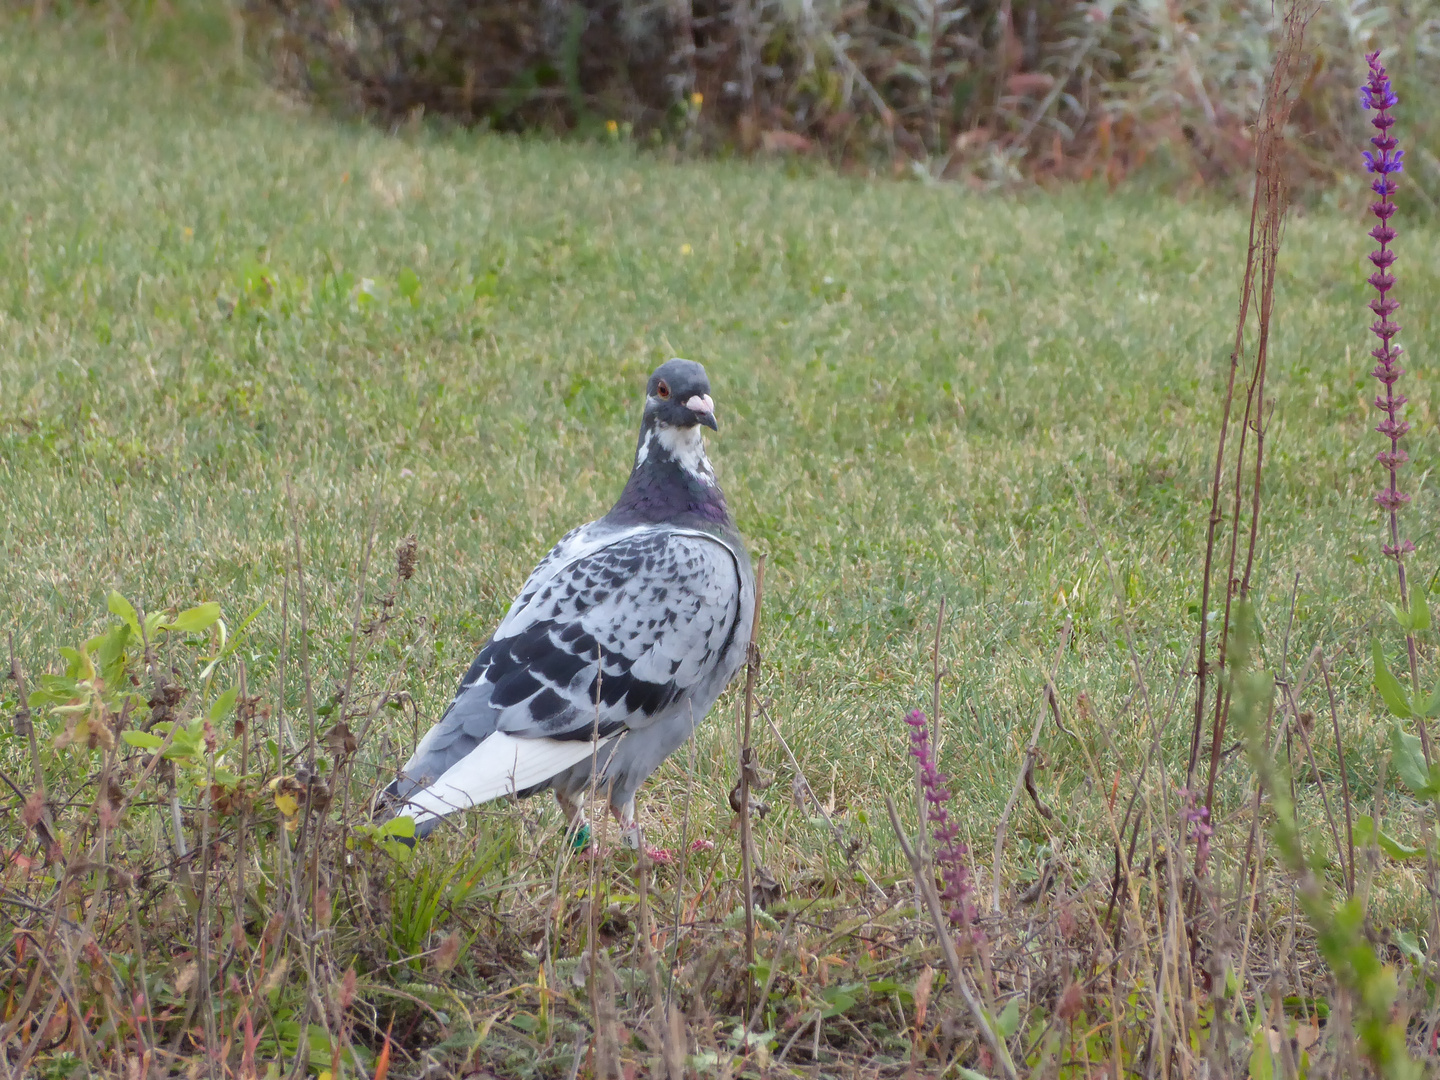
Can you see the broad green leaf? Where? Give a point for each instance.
(223, 704)
(118, 605)
(187, 740)
(1389, 686)
(193, 620)
(143, 739)
(79, 667)
(1432, 703)
(1009, 1020)
(1365, 835)
(399, 828)
(1409, 761)
(409, 285)
(228, 647)
(109, 650)
(1402, 617)
(1398, 851)
(154, 622)
(1262, 1065)
(839, 999)
(1409, 945)
(1419, 610)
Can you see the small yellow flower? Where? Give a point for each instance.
(612, 127)
(684, 249)
(189, 232)
(697, 99)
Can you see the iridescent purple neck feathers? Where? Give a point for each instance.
(672, 481)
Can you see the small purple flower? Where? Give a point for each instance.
(1384, 163)
(1198, 818)
(950, 853)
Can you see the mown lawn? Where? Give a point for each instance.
(207, 291)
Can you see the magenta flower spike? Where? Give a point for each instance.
(1384, 162)
(950, 853)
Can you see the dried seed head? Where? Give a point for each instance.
(341, 741)
(405, 558)
(448, 952)
(34, 810)
(1071, 1001)
(346, 997)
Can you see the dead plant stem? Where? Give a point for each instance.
(1027, 761)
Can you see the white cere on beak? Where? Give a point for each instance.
(701, 404)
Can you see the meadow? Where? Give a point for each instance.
(210, 295)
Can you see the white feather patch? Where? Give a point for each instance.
(687, 446)
(498, 766)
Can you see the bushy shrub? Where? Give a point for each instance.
(987, 90)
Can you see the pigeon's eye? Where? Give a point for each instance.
(662, 389)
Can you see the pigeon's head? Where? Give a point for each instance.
(678, 395)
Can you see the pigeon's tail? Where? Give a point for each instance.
(500, 765)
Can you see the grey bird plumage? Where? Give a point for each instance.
(618, 644)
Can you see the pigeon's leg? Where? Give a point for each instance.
(632, 836)
(629, 828)
(572, 805)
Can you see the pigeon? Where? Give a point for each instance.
(617, 646)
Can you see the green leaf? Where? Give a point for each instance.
(78, 666)
(195, 619)
(1009, 1021)
(1432, 703)
(1389, 686)
(1409, 762)
(143, 739)
(399, 828)
(118, 605)
(223, 704)
(409, 285)
(839, 999)
(1402, 617)
(1365, 836)
(1419, 610)
(187, 741)
(1262, 1065)
(109, 649)
(1409, 945)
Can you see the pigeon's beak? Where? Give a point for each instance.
(704, 409)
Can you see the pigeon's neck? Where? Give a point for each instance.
(672, 479)
(682, 447)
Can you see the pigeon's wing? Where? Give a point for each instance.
(602, 639)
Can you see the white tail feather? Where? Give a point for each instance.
(498, 766)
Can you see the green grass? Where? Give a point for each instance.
(913, 385)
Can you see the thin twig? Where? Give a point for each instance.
(43, 828)
(1344, 783)
(747, 758)
(835, 832)
(1027, 762)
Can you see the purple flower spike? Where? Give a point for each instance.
(1384, 163)
(1198, 818)
(950, 853)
